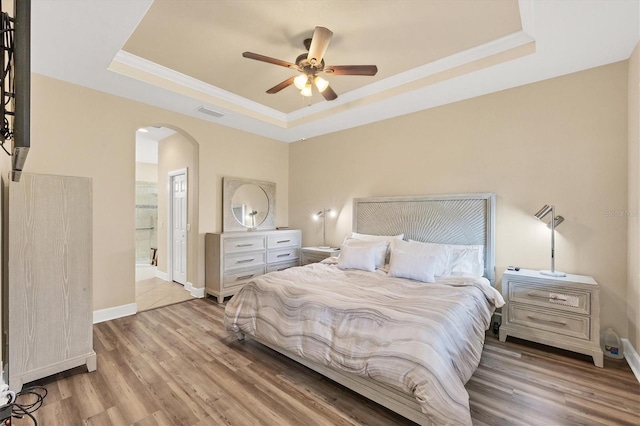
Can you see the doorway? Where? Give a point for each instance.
(155, 286)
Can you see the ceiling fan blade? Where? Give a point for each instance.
(269, 60)
(278, 87)
(351, 70)
(329, 94)
(319, 43)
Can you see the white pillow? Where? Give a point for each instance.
(385, 238)
(440, 252)
(461, 259)
(413, 266)
(467, 260)
(358, 257)
(379, 247)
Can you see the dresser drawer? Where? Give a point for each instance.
(283, 240)
(238, 245)
(556, 298)
(240, 277)
(566, 325)
(282, 266)
(274, 256)
(243, 260)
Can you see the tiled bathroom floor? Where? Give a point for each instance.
(153, 292)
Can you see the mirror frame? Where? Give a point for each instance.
(229, 187)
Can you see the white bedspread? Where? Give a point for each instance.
(422, 339)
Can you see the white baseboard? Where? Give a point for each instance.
(162, 275)
(632, 357)
(195, 291)
(108, 314)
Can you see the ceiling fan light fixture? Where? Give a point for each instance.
(306, 91)
(300, 81)
(321, 83)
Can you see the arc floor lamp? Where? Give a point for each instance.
(555, 221)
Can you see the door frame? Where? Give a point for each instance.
(171, 175)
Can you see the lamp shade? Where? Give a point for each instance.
(300, 81)
(321, 83)
(307, 90)
(543, 212)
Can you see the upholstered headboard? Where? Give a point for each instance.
(448, 219)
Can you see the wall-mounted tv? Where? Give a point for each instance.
(15, 41)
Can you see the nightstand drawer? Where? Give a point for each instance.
(243, 260)
(556, 298)
(282, 241)
(577, 327)
(242, 276)
(282, 255)
(282, 266)
(238, 245)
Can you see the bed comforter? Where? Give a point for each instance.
(424, 339)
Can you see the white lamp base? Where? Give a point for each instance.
(553, 273)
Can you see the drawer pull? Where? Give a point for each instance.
(284, 255)
(553, 297)
(531, 294)
(244, 277)
(245, 260)
(283, 241)
(244, 245)
(533, 318)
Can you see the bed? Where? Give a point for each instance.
(406, 344)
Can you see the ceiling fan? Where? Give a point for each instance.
(311, 64)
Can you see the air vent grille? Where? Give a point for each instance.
(210, 112)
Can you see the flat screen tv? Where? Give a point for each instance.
(16, 82)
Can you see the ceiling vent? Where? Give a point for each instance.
(210, 112)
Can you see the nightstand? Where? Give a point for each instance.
(316, 254)
(563, 312)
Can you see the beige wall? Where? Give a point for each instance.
(146, 172)
(175, 153)
(81, 132)
(562, 141)
(633, 239)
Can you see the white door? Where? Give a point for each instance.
(178, 220)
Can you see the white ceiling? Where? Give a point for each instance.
(147, 139)
(82, 41)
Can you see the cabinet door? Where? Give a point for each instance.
(50, 258)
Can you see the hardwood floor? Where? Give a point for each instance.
(177, 365)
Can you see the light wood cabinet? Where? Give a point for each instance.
(563, 312)
(234, 258)
(49, 277)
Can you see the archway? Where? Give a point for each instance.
(174, 150)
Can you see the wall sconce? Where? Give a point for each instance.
(323, 214)
(555, 221)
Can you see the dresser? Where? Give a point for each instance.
(563, 312)
(234, 258)
(317, 254)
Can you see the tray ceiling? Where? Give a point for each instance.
(185, 54)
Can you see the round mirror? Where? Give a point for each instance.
(250, 205)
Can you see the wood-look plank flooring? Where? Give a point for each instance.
(177, 365)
